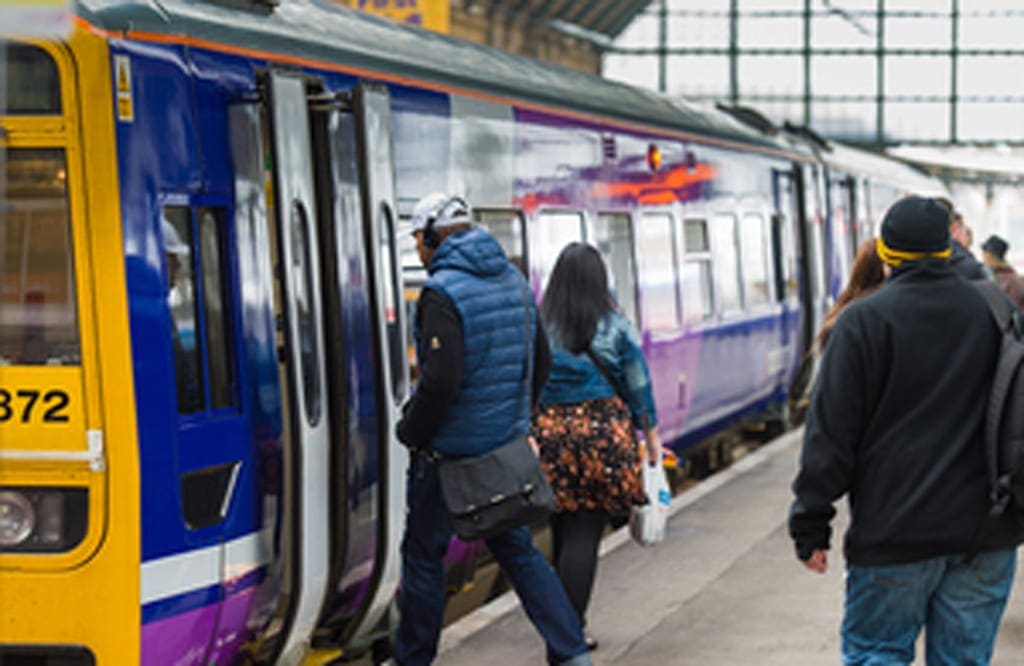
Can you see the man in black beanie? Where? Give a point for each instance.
(895, 423)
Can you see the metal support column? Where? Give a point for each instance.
(734, 50)
(807, 63)
(880, 78)
(662, 45)
(954, 68)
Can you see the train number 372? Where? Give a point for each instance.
(26, 405)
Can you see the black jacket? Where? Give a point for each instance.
(896, 420)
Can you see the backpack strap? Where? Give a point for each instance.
(1008, 320)
(1002, 309)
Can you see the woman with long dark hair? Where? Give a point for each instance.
(597, 396)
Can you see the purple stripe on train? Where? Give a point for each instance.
(184, 639)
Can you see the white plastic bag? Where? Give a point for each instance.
(647, 522)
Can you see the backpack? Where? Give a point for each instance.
(1004, 417)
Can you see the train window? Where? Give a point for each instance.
(696, 232)
(755, 260)
(390, 291)
(302, 268)
(838, 242)
(726, 265)
(699, 307)
(176, 227)
(814, 214)
(613, 234)
(656, 243)
(555, 230)
(697, 293)
(32, 80)
(213, 259)
(38, 314)
(508, 228)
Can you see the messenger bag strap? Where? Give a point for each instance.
(528, 364)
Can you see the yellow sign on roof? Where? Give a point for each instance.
(431, 14)
(35, 18)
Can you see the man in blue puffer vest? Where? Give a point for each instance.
(475, 321)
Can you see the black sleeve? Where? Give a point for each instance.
(440, 363)
(541, 362)
(834, 424)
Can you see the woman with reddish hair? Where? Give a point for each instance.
(866, 276)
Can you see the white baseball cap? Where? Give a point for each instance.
(444, 209)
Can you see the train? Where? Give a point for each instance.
(206, 283)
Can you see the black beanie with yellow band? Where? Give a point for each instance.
(914, 228)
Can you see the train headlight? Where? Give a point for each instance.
(42, 520)
(17, 518)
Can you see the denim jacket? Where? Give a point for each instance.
(574, 377)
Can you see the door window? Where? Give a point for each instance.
(199, 298)
(697, 291)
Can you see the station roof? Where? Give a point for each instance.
(606, 18)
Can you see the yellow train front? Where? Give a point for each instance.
(196, 401)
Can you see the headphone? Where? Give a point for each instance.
(431, 238)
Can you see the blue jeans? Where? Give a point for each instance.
(428, 529)
(958, 603)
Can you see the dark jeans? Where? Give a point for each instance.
(958, 603)
(428, 529)
(576, 536)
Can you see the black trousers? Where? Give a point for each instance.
(576, 536)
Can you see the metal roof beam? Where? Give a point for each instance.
(558, 9)
(581, 8)
(615, 21)
(590, 18)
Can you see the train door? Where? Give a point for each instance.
(794, 272)
(839, 239)
(813, 218)
(786, 254)
(366, 349)
(306, 453)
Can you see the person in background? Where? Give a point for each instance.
(475, 324)
(598, 394)
(961, 259)
(896, 424)
(993, 253)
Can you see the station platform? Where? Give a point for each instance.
(724, 588)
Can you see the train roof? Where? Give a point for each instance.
(890, 169)
(312, 30)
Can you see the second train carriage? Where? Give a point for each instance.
(203, 338)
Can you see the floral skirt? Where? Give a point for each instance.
(590, 453)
